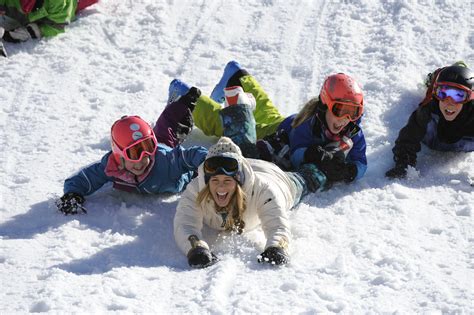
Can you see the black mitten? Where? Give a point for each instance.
(190, 98)
(399, 171)
(316, 154)
(184, 127)
(201, 257)
(22, 33)
(337, 170)
(274, 256)
(403, 157)
(71, 203)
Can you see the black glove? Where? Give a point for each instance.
(71, 203)
(399, 171)
(184, 127)
(22, 33)
(200, 257)
(316, 154)
(190, 98)
(403, 157)
(337, 170)
(274, 256)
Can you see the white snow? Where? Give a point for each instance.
(374, 246)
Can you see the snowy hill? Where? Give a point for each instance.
(374, 246)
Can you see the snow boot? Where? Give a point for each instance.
(176, 89)
(238, 122)
(230, 69)
(315, 180)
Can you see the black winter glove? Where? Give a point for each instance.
(337, 170)
(71, 203)
(190, 98)
(403, 157)
(22, 33)
(274, 256)
(399, 171)
(200, 257)
(316, 154)
(185, 126)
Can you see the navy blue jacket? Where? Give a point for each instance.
(304, 136)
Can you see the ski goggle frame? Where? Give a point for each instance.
(221, 165)
(341, 108)
(135, 152)
(458, 93)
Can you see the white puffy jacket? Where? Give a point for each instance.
(270, 194)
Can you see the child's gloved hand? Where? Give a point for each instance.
(274, 256)
(337, 170)
(190, 98)
(71, 203)
(316, 154)
(399, 171)
(184, 127)
(201, 257)
(22, 33)
(186, 124)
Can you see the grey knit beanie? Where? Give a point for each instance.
(227, 148)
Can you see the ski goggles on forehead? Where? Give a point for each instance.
(136, 151)
(345, 109)
(221, 165)
(458, 95)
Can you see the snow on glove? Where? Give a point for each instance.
(71, 203)
(22, 33)
(201, 257)
(274, 256)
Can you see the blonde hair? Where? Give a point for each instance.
(235, 209)
(309, 109)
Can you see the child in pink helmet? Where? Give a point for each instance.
(143, 159)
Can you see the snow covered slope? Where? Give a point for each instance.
(375, 246)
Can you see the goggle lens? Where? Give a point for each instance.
(221, 165)
(137, 151)
(445, 91)
(343, 109)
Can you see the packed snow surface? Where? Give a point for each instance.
(373, 246)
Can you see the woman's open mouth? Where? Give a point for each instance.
(221, 196)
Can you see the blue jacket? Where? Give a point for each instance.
(310, 132)
(173, 169)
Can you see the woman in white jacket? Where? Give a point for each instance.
(232, 193)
